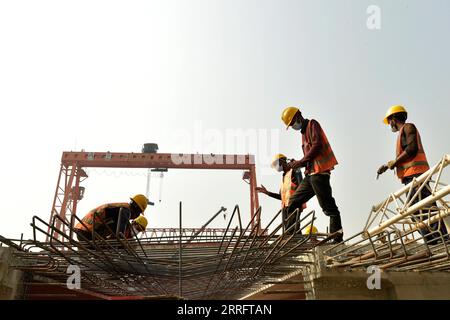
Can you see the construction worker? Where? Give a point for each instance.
(289, 183)
(410, 161)
(111, 219)
(138, 225)
(318, 161)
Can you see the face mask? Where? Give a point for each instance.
(393, 126)
(278, 168)
(297, 125)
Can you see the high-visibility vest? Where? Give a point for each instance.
(287, 188)
(98, 215)
(416, 165)
(325, 160)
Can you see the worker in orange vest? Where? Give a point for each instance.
(410, 161)
(289, 184)
(318, 161)
(111, 217)
(137, 226)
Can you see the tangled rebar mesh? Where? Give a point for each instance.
(201, 264)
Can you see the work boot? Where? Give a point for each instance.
(336, 226)
(338, 239)
(335, 223)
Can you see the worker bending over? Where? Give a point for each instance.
(112, 219)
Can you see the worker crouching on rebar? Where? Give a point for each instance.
(289, 183)
(113, 219)
(138, 225)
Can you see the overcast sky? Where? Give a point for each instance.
(112, 75)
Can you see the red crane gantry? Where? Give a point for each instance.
(68, 191)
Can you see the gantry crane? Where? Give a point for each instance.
(69, 192)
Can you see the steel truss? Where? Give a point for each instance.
(405, 231)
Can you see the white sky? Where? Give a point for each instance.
(112, 75)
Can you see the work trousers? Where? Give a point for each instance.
(315, 185)
(427, 233)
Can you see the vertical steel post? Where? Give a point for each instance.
(67, 195)
(76, 193)
(54, 211)
(254, 202)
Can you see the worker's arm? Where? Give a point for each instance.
(410, 134)
(412, 145)
(274, 195)
(316, 146)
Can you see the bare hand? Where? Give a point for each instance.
(262, 189)
(295, 164)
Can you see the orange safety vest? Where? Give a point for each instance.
(325, 160)
(287, 189)
(99, 215)
(413, 166)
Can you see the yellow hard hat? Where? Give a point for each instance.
(141, 201)
(308, 230)
(142, 221)
(393, 110)
(276, 158)
(288, 115)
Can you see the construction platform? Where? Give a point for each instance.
(191, 264)
(401, 253)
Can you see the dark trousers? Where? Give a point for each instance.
(316, 185)
(83, 235)
(425, 232)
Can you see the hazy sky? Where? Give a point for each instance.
(112, 75)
